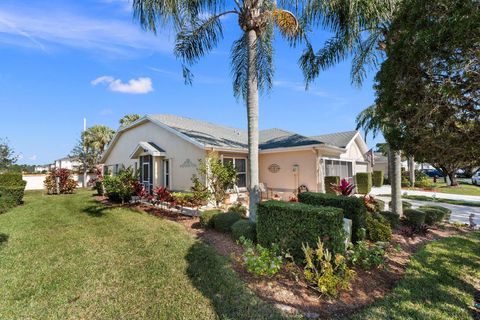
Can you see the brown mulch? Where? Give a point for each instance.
(294, 296)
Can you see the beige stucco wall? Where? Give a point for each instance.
(353, 153)
(285, 180)
(177, 150)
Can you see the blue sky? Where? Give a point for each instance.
(62, 61)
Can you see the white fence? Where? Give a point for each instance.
(35, 181)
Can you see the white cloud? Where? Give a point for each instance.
(45, 28)
(33, 158)
(140, 85)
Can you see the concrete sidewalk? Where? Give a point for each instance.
(385, 189)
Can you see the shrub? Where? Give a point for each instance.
(392, 218)
(120, 188)
(353, 207)
(244, 228)
(223, 222)
(11, 196)
(378, 228)
(414, 218)
(60, 181)
(206, 218)
(329, 181)
(368, 256)
(364, 182)
(406, 205)
(11, 179)
(183, 199)
(289, 224)
(325, 272)
(344, 188)
(259, 260)
(447, 212)
(238, 208)
(432, 215)
(379, 205)
(377, 178)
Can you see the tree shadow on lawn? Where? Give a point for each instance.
(3, 238)
(95, 210)
(435, 283)
(210, 273)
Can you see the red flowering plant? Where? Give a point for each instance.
(344, 188)
(161, 195)
(97, 181)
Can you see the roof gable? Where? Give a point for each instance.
(339, 139)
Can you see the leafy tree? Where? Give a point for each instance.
(219, 178)
(199, 29)
(7, 155)
(128, 119)
(428, 88)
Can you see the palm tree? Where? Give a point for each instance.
(199, 29)
(97, 138)
(372, 121)
(128, 119)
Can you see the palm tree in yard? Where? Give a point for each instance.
(199, 29)
(128, 119)
(371, 121)
(97, 138)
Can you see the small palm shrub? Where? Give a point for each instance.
(244, 228)
(378, 228)
(223, 222)
(259, 260)
(206, 218)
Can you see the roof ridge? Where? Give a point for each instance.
(197, 120)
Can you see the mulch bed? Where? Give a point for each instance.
(291, 296)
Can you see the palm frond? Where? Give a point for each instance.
(286, 22)
(365, 55)
(370, 121)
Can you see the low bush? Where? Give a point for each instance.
(289, 224)
(329, 181)
(244, 228)
(447, 212)
(368, 256)
(206, 218)
(10, 178)
(239, 208)
(392, 218)
(414, 218)
(60, 181)
(377, 178)
(12, 189)
(364, 182)
(379, 205)
(406, 205)
(432, 215)
(325, 272)
(120, 188)
(378, 228)
(353, 207)
(259, 260)
(223, 222)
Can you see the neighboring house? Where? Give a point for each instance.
(381, 163)
(165, 150)
(42, 168)
(70, 163)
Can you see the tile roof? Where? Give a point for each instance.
(214, 135)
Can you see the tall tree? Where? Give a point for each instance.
(428, 88)
(128, 119)
(97, 137)
(7, 155)
(199, 29)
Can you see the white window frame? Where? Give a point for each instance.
(167, 171)
(245, 173)
(324, 163)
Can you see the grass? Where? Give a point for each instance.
(450, 201)
(68, 257)
(463, 188)
(440, 283)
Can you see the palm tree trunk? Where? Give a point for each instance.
(411, 170)
(252, 113)
(396, 183)
(390, 166)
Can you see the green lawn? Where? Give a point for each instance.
(463, 188)
(440, 283)
(68, 257)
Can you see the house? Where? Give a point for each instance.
(70, 163)
(165, 150)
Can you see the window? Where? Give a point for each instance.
(166, 176)
(342, 169)
(115, 172)
(240, 165)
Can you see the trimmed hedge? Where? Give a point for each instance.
(223, 222)
(353, 208)
(364, 182)
(244, 228)
(12, 189)
(206, 218)
(392, 218)
(11, 179)
(406, 205)
(377, 178)
(289, 224)
(329, 180)
(432, 215)
(415, 218)
(378, 228)
(447, 212)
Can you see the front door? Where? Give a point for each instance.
(146, 172)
